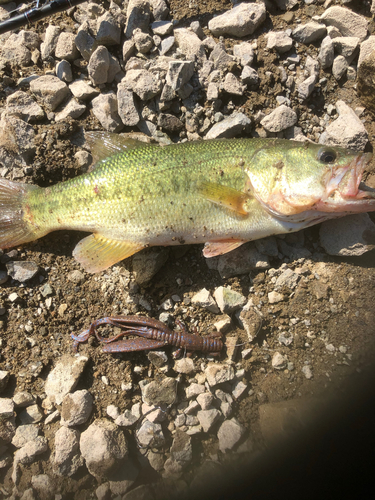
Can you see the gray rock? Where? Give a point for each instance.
(218, 373)
(249, 76)
(346, 21)
(159, 358)
(126, 419)
(147, 263)
(204, 299)
(143, 83)
(50, 89)
(4, 377)
(340, 65)
(232, 86)
(138, 16)
(108, 30)
(208, 418)
(250, 319)
(242, 260)
(21, 270)
(347, 130)
(99, 65)
(105, 108)
(190, 45)
(286, 4)
(160, 10)
(184, 365)
(222, 61)
(24, 434)
(307, 371)
(64, 71)
(72, 109)
(128, 49)
(288, 279)
(366, 48)
(64, 377)
(181, 449)
(43, 485)
(76, 408)
(30, 450)
(228, 300)
(7, 430)
(179, 73)
(158, 393)
(14, 52)
(280, 119)
(347, 46)
(244, 53)
(103, 446)
(238, 389)
(170, 123)
(275, 297)
(82, 90)
(85, 43)
(194, 390)
(326, 53)
(114, 69)
(162, 28)
(280, 41)
(205, 400)
(143, 41)
(310, 32)
(23, 105)
(150, 434)
(229, 434)
(166, 45)
(306, 88)
(241, 21)
(6, 408)
(350, 236)
(229, 127)
(66, 459)
(47, 48)
(127, 108)
(279, 362)
(31, 415)
(66, 47)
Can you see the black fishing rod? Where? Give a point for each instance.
(36, 13)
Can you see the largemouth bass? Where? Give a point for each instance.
(221, 193)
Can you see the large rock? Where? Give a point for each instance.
(50, 89)
(366, 82)
(346, 21)
(103, 446)
(241, 21)
(350, 236)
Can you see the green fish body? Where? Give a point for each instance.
(221, 193)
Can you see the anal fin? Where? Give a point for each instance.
(96, 252)
(215, 248)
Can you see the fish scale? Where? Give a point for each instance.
(220, 192)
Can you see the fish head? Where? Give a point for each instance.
(290, 178)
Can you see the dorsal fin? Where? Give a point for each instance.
(105, 144)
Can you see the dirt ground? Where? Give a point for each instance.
(332, 304)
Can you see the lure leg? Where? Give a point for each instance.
(133, 345)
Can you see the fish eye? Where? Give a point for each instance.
(327, 155)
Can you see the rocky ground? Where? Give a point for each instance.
(296, 312)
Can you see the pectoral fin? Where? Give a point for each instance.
(215, 248)
(225, 196)
(96, 252)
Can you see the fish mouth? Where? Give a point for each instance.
(345, 191)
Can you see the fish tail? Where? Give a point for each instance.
(15, 229)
